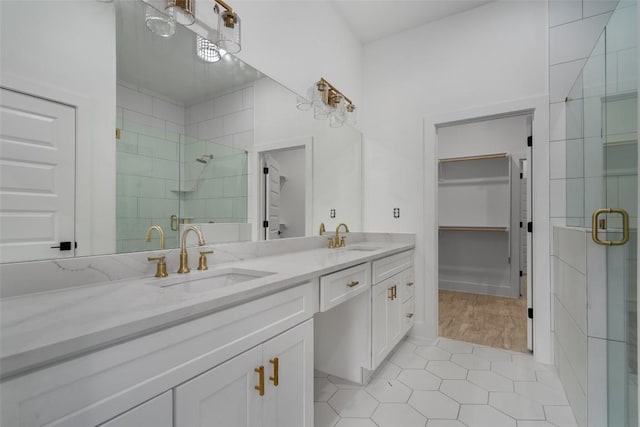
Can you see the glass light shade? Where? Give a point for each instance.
(319, 94)
(229, 32)
(350, 115)
(159, 23)
(337, 116)
(321, 112)
(206, 50)
(183, 11)
(302, 103)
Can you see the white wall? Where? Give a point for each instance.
(488, 55)
(296, 43)
(41, 59)
(292, 167)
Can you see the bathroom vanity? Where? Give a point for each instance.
(231, 345)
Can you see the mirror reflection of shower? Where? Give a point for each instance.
(204, 158)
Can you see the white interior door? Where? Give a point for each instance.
(272, 197)
(37, 178)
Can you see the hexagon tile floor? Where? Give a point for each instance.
(449, 384)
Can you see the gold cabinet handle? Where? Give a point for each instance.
(390, 296)
(353, 283)
(275, 362)
(410, 284)
(395, 291)
(260, 386)
(625, 226)
(174, 222)
(409, 315)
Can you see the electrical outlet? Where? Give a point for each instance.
(332, 213)
(396, 213)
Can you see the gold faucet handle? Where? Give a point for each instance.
(332, 243)
(202, 263)
(342, 242)
(161, 268)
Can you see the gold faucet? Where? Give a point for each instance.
(184, 259)
(337, 241)
(322, 229)
(147, 238)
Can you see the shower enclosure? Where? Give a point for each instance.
(602, 201)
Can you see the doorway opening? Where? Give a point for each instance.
(284, 190)
(484, 206)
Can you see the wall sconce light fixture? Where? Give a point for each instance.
(328, 103)
(228, 28)
(182, 11)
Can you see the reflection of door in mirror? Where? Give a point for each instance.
(272, 197)
(37, 186)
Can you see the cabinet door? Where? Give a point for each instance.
(290, 402)
(157, 412)
(394, 312)
(223, 396)
(380, 299)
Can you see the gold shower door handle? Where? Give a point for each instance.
(625, 226)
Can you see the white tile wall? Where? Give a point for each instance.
(147, 163)
(222, 126)
(575, 39)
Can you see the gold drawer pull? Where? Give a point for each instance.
(260, 386)
(410, 284)
(409, 315)
(275, 362)
(352, 284)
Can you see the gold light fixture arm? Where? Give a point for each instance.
(225, 5)
(333, 91)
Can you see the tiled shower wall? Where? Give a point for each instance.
(221, 127)
(157, 174)
(147, 165)
(574, 28)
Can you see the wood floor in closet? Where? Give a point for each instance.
(483, 319)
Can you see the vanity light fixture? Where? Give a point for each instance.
(228, 28)
(182, 11)
(328, 102)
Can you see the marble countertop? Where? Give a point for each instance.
(43, 328)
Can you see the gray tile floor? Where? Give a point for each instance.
(449, 384)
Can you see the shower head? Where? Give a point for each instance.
(204, 158)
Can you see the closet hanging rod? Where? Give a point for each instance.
(462, 228)
(462, 159)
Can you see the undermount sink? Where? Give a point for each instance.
(214, 279)
(362, 248)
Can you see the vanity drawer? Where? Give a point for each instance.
(394, 264)
(408, 310)
(335, 288)
(408, 284)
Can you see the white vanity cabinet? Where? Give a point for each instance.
(270, 385)
(354, 336)
(392, 303)
(103, 386)
(157, 412)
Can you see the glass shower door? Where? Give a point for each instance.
(611, 198)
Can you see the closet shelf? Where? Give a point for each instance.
(482, 157)
(485, 180)
(473, 228)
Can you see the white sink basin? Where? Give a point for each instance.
(362, 248)
(213, 280)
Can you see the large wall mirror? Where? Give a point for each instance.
(157, 136)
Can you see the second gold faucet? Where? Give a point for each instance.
(184, 258)
(337, 241)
